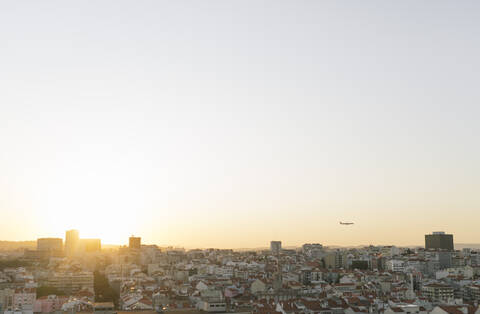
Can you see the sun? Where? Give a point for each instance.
(98, 204)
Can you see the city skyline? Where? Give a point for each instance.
(435, 279)
(228, 124)
(135, 241)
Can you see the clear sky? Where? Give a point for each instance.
(233, 123)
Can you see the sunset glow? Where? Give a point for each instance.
(220, 124)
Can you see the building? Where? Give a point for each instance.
(311, 246)
(436, 292)
(46, 248)
(70, 282)
(439, 241)
(39, 255)
(455, 309)
(444, 259)
(314, 250)
(72, 238)
(134, 242)
(24, 298)
(103, 308)
(49, 304)
(90, 245)
(258, 286)
(6, 299)
(405, 308)
(472, 292)
(276, 247)
(395, 265)
(334, 260)
(213, 306)
(50, 244)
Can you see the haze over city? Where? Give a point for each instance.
(231, 123)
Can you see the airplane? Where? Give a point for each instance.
(346, 223)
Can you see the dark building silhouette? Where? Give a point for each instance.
(276, 247)
(135, 242)
(439, 241)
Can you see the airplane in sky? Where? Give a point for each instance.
(346, 223)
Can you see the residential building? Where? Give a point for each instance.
(71, 282)
(437, 292)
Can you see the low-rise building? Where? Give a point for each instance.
(436, 292)
(71, 282)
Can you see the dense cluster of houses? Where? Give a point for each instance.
(308, 280)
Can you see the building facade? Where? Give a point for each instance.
(50, 244)
(72, 238)
(135, 243)
(90, 245)
(439, 241)
(437, 293)
(71, 282)
(276, 247)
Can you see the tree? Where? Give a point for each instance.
(47, 290)
(103, 291)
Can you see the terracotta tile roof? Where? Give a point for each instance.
(396, 309)
(451, 309)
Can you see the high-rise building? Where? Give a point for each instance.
(50, 244)
(71, 242)
(90, 245)
(439, 241)
(444, 259)
(134, 242)
(276, 247)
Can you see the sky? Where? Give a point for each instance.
(233, 123)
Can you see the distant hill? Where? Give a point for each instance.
(17, 245)
(110, 246)
(32, 245)
(459, 246)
